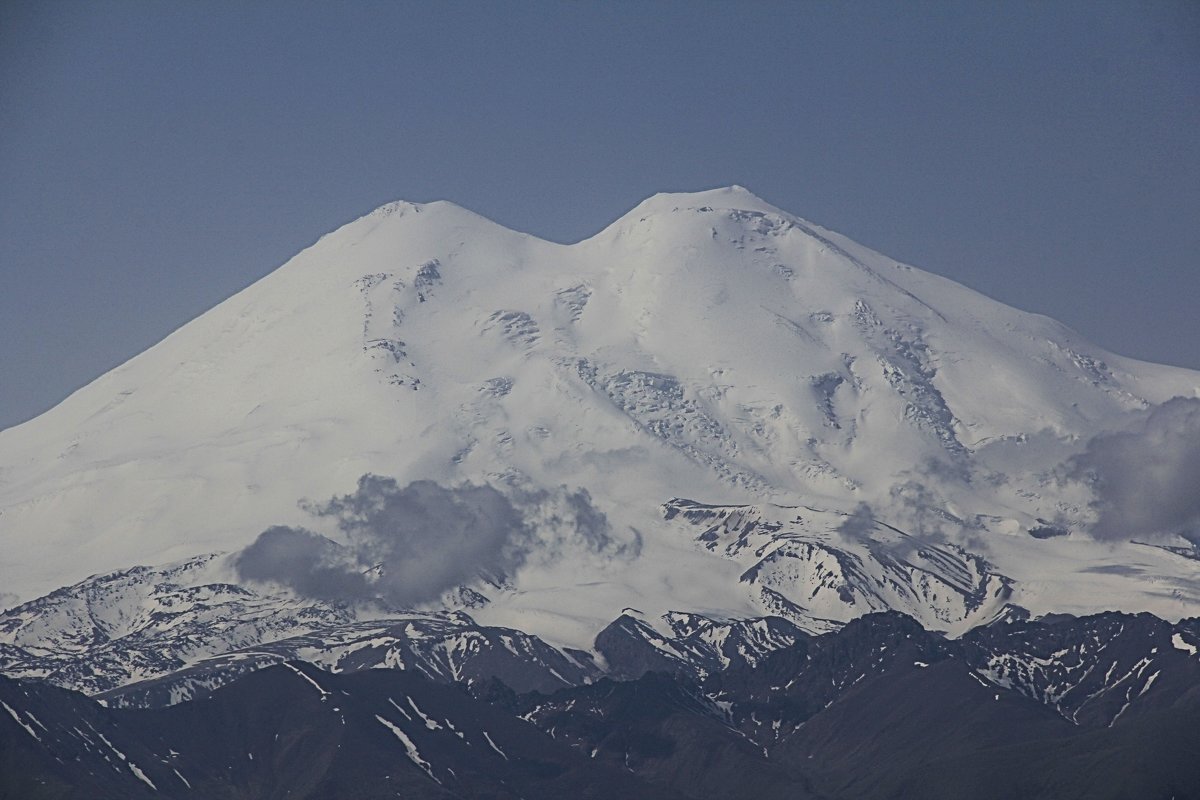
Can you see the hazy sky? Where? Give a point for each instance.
(156, 157)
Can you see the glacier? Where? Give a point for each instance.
(771, 418)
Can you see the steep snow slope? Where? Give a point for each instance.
(705, 346)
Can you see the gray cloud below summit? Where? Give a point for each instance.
(407, 545)
(1146, 480)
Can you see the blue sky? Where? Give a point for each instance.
(156, 157)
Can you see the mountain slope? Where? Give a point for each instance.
(705, 346)
(879, 709)
(292, 731)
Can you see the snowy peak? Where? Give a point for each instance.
(432, 450)
(706, 345)
(724, 198)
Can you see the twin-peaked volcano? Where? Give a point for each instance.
(895, 438)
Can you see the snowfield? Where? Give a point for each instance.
(769, 418)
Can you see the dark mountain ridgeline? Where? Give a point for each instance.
(880, 709)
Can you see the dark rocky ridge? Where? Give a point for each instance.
(882, 708)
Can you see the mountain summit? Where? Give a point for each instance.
(757, 414)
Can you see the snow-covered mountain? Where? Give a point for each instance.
(711, 406)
